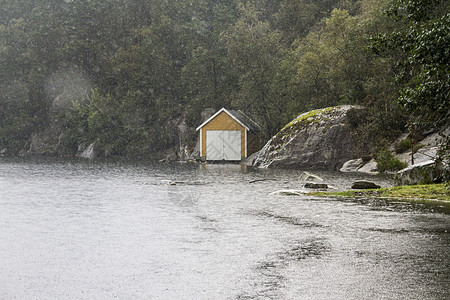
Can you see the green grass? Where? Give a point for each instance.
(426, 193)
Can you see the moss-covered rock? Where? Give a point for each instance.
(318, 139)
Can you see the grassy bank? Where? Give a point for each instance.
(438, 194)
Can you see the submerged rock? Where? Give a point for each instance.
(313, 185)
(306, 176)
(319, 139)
(364, 185)
(288, 193)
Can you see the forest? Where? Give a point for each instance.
(122, 73)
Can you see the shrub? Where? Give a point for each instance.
(377, 125)
(403, 146)
(388, 162)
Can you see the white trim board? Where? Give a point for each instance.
(216, 114)
(246, 143)
(201, 143)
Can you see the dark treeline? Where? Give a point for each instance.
(122, 73)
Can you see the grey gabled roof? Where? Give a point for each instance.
(238, 116)
(252, 125)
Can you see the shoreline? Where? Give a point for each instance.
(429, 194)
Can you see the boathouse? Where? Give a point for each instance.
(228, 135)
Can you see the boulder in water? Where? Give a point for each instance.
(306, 176)
(287, 193)
(320, 139)
(364, 185)
(314, 185)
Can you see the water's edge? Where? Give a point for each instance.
(101, 229)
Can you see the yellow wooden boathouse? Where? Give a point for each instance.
(228, 135)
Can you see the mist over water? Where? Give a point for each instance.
(79, 230)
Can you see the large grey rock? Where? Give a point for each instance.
(62, 103)
(424, 172)
(207, 113)
(251, 159)
(66, 86)
(423, 155)
(320, 139)
(428, 152)
(185, 135)
(45, 141)
(369, 168)
(90, 152)
(352, 165)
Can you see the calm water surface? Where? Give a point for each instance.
(102, 230)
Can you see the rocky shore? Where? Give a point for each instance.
(322, 139)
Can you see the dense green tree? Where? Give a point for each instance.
(208, 77)
(151, 63)
(422, 38)
(29, 34)
(329, 63)
(254, 49)
(295, 18)
(421, 42)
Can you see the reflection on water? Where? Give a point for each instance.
(117, 229)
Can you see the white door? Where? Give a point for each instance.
(232, 145)
(223, 145)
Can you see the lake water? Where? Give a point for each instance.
(102, 230)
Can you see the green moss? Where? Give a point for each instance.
(304, 117)
(326, 129)
(303, 121)
(428, 191)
